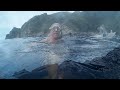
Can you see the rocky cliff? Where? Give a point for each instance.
(15, 32)
(38, 25)
(107, 67)
(87, 21)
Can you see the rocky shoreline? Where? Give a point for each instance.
(107, 67)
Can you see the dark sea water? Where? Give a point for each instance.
(30, 53)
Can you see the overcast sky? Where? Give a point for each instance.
(10, 19)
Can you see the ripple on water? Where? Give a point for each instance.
(29, 53)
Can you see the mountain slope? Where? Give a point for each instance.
(86, 21)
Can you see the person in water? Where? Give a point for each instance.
(55, 34)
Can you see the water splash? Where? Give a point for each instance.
(17, 54)
(103, 34)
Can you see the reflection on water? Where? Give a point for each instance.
(29, 53)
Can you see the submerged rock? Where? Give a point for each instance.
(20, 73)
(44, 72)
(107, 67)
